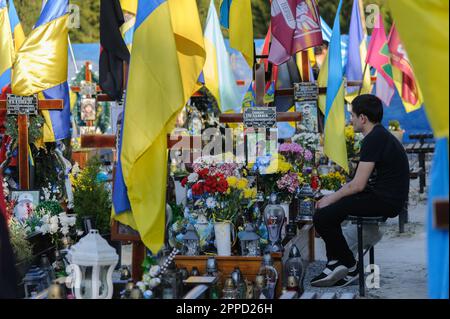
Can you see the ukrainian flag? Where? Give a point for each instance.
(335, 147)
(16, 27)
(168, 56)
(218, 75)
(424, 24)
(6, 46)
(41, 66)
(236, 16)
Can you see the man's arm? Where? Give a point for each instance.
(357, 184)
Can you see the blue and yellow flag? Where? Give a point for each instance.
(16, 27)
(335, 147)
(218, 75)
(6, 46)
(357, 53)
(236, 16)
(168, 56)
(41, 66)
(424, 24)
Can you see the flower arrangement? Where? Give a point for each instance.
(58, 226)
(308, 140)
(332, 181)
(296, 155)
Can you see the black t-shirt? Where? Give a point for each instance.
(390, 178)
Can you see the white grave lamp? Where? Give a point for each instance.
(92, 262)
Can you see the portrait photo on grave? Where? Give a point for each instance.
(25, 202)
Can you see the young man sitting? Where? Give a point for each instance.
(383, 160)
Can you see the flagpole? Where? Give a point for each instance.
(72, 54)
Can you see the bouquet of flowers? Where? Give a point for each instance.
(308, 140)
(353, 141)
(332, 181)
(58, 226)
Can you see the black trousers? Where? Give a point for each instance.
(327, 222)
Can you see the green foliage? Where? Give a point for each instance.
(22, 248)
(394, 125)
(91, 197)
(47, 168)
(36, 122)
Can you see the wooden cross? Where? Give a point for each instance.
(23, 111)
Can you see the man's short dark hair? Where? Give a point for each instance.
(370, 106)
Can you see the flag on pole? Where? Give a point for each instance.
(41, 66)
(424, 29)
(335, 147)
(295, 27)
(168, 56)
(113, 52)
(16, 26)
(379, 57)
(218, 75)
(236, 16)
(357, 53)
(6, 47)
(403, 73)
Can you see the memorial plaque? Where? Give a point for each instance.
(88, 89)
(306, 91)
(16, 104)
(260, 117)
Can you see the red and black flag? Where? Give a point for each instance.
(114, 52)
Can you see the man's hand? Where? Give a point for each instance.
(325, 201)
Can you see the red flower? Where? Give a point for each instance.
(222, 185)
(203, 173)
(184, 181)
(198, 189)
(211, 184)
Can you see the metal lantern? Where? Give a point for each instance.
(249, 241)
(191, 242)
(35, 280)
(294, 266)
(306, 203)
(92, 262)
(274, 219)
(171, 282)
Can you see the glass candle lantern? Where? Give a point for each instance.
(306, 203)
(249, 241)
(270, 274)
(294, 267)
(191, 242)
(229, 290)
(274, 219)
(92, 262)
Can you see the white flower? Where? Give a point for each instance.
(37, 228)
(45, 228)
(154, 282)
(54, 220)
(64, 230)
(46, 219)
(54, 228)
(154, 271)
(192, 178)
(211, 202)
